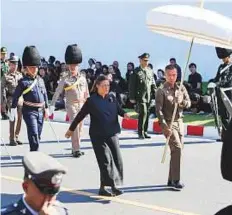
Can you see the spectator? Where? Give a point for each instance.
(130, 70)
(173, 62)
(116, 66)
(98, 69)
(161, 78)
(194, 79)
(151, 67)
(104, 69)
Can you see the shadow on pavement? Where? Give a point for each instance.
(68, 197)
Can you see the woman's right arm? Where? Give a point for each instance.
(80, 116)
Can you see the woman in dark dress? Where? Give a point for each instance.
(104, 127)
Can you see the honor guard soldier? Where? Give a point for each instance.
(35, 102)
(9, 83)
(4, 69)
(166, 97)
(223, 86)
(76, 91)
(42, 180)
(141, 87)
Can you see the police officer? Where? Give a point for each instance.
(76, 91)
(141, 87)
(9, 83)
(223, 79)
(4, 69)
(31, 87)
(41, 185)
(166, 97)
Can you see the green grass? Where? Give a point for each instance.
(191, 119)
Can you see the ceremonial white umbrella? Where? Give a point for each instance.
(193, 24)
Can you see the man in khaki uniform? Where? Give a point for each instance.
(166, 97)
(9, 83)
(76, 92)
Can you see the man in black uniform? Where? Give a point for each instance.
(42, 180)
(224, 80)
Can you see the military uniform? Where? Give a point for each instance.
(4, 62)
(165, 102)
(4, 69)
(47, 179)
(34, 94)
(141, 87)
(76, 93)
(224, 80)
(9, 83)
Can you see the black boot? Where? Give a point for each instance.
(147, 136)
(116, 191)
(104, 192)
(77, 154)
(13, 143)
(177, 185)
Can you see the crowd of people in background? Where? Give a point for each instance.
(52, 70)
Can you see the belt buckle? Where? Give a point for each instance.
(40, 109)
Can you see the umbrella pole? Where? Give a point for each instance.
(176, 105)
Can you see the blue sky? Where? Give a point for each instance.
(106, 30)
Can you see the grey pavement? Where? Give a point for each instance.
(145, 177)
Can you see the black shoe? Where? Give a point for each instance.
(177, 185)
(19, 142)
(170, 184)
(104, 192)
(116, 191)
(77, 154)
(141, 137)
(13, 143)
(147, 136)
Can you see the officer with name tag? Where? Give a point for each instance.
(35, 102)
(41, 184)
(75, 86)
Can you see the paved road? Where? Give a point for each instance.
(145, 177)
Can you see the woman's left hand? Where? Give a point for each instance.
(68, 134)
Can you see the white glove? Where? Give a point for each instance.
(13, 114)
(211, 85)
(51, 110)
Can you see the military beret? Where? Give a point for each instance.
(31, 56)
(14, 59)
(73, 54)
(45, 171)
(3, 50)
(144, 55)
(223, 53)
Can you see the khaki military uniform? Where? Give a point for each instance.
(165, 102)
(75, 95)
(9, 83)
(141, 87)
